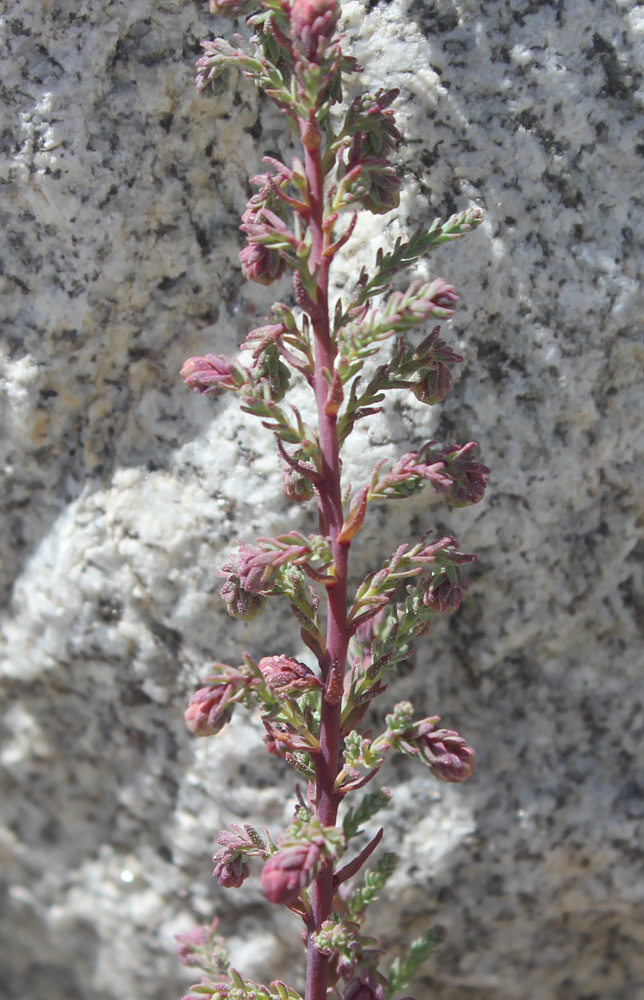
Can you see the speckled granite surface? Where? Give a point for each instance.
(121, 191)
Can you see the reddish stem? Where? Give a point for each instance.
(337, 638)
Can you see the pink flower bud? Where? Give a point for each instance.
(190, 944)
(312, 22)
(209, 711)
(306, 12)
(378, 185)
(230, 869)
(434, 386)
(446, 597)
(240, 603)
(445, 592)
(445, 752)
(372, 116)
(261, 264)
(445, 301)
(211, 374)
(358, 989)
(355, 517)
(295, 486)
(274, 747)
(288, 872)
(287, 676)
(469, 477)
(311, 134)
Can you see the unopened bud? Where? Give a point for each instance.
(288, 872)
(212, 374)
(469, 477)
(209, 711)
(445, 302)
(381, 185)
(313, 21)
(434, 386)
(241, 603)
(230, 869)
(274, 747)
(191, 944)
(445, 752)
(272, 371)
(306, 12)
(446, 597)
(295, 486)
(311, 134)
(261, 264)
(361, 990)
(287, 676)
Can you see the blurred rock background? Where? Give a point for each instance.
(122, 494)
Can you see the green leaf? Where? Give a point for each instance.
(374, 882)
(419, 245)
(402, 971)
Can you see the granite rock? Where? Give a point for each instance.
(123, 493)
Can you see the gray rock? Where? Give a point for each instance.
(123, 493)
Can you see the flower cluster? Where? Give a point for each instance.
(257, 571)
(238, 843)
(296, 221)
(438, 565)
(266, 234)
(444, 751)
(370, 180)
(203, 947)
(372, 116)
(443, 589)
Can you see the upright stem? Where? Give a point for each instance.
(337, 639)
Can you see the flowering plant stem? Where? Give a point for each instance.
(313, 715)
